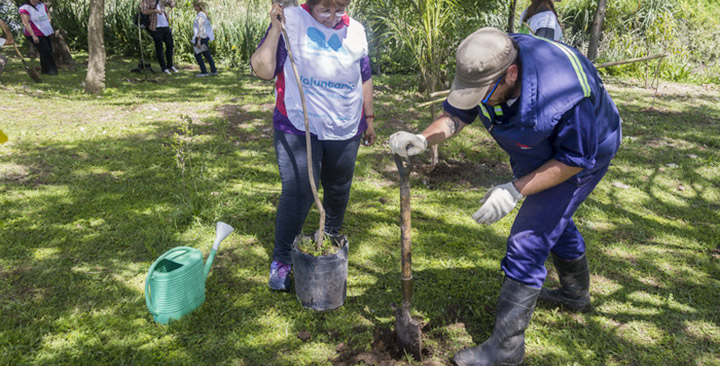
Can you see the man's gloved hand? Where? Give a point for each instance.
(406, 144)
(497, 203)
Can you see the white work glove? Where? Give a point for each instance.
(497, 203)
(406, 144)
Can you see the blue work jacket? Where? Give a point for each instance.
(563, 112)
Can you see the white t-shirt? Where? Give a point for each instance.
(202, 28)
(544, 19)
(162, 21)
(328, 61)
(38, 17)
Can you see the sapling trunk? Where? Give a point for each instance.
(311, 176)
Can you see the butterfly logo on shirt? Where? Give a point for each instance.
(318, 42)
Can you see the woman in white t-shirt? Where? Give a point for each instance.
(541, 18)
(331, 53)
(202, 35)
(36, 23)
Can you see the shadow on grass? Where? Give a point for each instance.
(82, 222)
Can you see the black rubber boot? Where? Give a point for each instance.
(506, 345)
(574, 291)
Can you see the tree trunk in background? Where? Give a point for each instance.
(95, 79)
(61, 51)
(596, 29)
(511, 17)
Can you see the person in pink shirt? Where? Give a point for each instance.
(36, 24)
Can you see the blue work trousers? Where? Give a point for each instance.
(544, 223)
(333, 163)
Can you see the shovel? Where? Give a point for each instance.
(33, 74)
(320, 233)
(407, 329)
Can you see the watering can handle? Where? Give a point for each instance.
(148, 300)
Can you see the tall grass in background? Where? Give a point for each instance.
(422, 33)
(687, 30)
(395, 29)
(238, 26)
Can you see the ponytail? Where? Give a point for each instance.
(538, 6)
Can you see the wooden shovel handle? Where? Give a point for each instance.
(405, 227)
(308, 144)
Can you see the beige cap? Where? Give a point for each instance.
(482, 58)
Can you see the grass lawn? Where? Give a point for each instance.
(94, 188)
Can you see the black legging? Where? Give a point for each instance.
(334, 165)
(163, 36)
(44, 48)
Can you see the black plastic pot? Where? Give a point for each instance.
(321, 282)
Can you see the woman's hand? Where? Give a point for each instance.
(35, 39)
(369, 135)
(277, 16)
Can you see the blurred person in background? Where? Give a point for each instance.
(37, 28)
(542, 20)
(160, 32)
(202, 35)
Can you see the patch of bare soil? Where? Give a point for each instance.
(463, 173)
(240, 120)
(386, 352)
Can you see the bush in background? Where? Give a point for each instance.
(238, 26)
(687, 30)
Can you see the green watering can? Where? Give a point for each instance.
(175, 283)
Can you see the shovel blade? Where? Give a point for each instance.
(33, 74)
(408, 332)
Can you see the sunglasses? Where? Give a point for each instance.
(487, 98)
(328, 14)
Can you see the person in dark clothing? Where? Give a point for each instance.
(546, 106)
(36, 24)
(160, 31)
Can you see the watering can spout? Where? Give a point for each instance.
(221, 232)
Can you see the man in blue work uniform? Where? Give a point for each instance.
(546, 106)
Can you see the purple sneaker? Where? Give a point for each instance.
(279, 276)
